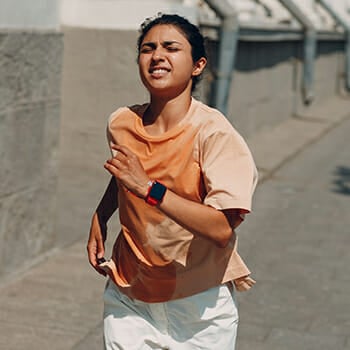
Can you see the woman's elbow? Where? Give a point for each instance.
(225, 237)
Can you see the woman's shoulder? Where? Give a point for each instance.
(211, 119)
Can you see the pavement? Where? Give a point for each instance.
(295, 242)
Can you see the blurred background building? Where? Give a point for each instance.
(66, 65)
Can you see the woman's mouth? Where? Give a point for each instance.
(158, 72)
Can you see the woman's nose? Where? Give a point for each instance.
(158, 54)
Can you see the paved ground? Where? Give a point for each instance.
(296, 243)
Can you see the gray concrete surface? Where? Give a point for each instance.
(295, 242)
(297, 245)
(268, 78)
(30, 71)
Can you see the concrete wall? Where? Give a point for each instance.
(267, 81)
(30, 67)
(30, 77)
(99, 75)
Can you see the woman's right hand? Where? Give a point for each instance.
(95, 245)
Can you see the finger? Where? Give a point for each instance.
(113, 145)
(112, 169)
(250, 281)
(120, 162)
(123, 149)
(116, 147)
(113, 150)
(93, 259)
(100, 249)
(114, 163)
(121, 157)
(92, 254)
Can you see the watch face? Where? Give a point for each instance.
(157, 191)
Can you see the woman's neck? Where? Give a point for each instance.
(163, 114)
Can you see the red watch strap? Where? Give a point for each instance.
(156, 192)
(151, 201)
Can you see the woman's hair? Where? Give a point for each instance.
(189, 30)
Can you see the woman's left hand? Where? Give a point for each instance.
(128, 170)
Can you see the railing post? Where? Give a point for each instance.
(229, 34)
(310, 45)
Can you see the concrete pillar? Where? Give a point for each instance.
(30, 75)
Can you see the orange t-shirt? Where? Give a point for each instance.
(202, 159)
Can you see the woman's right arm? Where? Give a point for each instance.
(98, 229)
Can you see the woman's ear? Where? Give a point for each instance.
(199, 66)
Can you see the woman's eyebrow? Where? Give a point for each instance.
(164, 43)
(170, 42)
(150, 43)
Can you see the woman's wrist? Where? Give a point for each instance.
(156, 193)
(147, 189)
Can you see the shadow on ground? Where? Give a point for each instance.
(342, 180)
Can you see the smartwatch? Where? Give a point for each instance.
(156, 193)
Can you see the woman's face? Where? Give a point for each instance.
(165, 61)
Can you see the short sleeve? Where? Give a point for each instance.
(229, 172)
(110, 138)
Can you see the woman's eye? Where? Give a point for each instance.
(172, 48)
(146, 50)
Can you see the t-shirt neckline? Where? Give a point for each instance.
(169, 133)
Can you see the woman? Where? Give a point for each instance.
(182, 179)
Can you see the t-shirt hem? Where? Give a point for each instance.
(229, 204)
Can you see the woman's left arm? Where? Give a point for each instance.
(198, 218)
(201, 219)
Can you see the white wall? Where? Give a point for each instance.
(120, 14)
(42, 14)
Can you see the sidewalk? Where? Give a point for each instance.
(296, 242)
(57, 304)
(273, 148)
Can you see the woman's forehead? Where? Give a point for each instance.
(165, 32)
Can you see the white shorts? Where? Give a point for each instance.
(206, 321)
